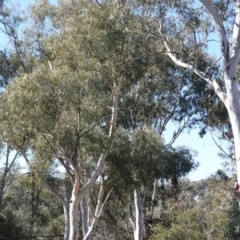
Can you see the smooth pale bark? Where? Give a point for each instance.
(230, 61)
(74, 204)
(91, 229)
(84, 214)
(138, 225)
(65, 203)
(79, 194)
(230, 55)
(66, 209)
(66, 220)
(98, 211)
(74, 218)
(233, 108)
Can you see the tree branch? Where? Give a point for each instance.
(228, 155)
(87, 187)
(192, 67)
(236, 39)
(218, 25)
(54, 193)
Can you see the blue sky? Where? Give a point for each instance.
(207, 150)
(208, 157)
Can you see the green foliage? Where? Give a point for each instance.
(29, 209)
(8, 225)
(233, 227)
(214, 215)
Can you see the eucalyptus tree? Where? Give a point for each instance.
(71, 90)
(138, 160)
(185, 28)
(146, 107)
(64, 107)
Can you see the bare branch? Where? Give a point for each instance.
(67, 167)
(132, 222)
(108, 195)
(95, 125)
(176, 134)
(87, 187)
(209, 67)
(97, 210)
(25, 157)
(228, 155)
(54, 193)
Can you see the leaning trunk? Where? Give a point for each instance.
(84, 214)
(91, 229)
(98, 211)
(139, 214)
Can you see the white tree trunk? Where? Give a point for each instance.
(78, 194)
(233, 108)
(230, 54)
(98, 210)
(230, 64)
(84, 214)
(66, 220)
(91, 229)
(74, 218)
(66, 204)
(139, 214)
(74, 206)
